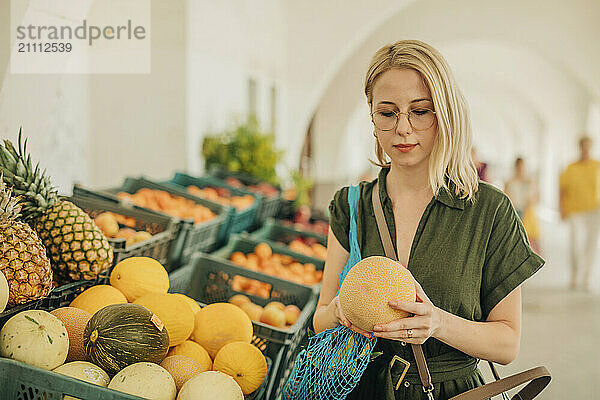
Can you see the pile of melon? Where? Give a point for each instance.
(134, 337)
(283, 266)
(274, 313)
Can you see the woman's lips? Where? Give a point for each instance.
(405, 148)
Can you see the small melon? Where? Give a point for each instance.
(75, 320)
(84, 371)
(97, 297)
(221, 323)
(181, 368)
(368, 288)
(137, 276)
(211, 385)
(244, 363)
(173, 311)
(36, 338)
(3, 292)
(193, 303)
(194, 351)
(145, 379)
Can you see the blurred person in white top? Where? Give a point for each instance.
(523, 193)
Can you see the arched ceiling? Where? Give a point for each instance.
(524, 67)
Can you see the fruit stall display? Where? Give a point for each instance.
(270, 258)
(211, 280)
(304, 242)
(246, 204)
(272, 195)
(205, 222)
(305, 219)
(134, 232)
(132, 336)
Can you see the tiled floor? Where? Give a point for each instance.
(561, 328)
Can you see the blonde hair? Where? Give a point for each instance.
(451, 153)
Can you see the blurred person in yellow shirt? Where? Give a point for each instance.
(580, 207)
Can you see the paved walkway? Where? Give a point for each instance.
(561, 328)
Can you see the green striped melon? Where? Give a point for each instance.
(123, 334)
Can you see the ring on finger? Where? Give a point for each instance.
(409, 333)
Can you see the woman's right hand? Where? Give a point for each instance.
(342, 320)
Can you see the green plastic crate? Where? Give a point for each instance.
(246, 244)
(242, 220)
(164, 229)
(208, 280)
(275, 231)
(19, 381)
(193, 237)
(269, 207)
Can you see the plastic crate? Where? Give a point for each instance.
(194, 237)
(275, 231)
(19, 381)
(208, 280)
(164, 229)
(242, 220)
(246, 244)
(270, 205)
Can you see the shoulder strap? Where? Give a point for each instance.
(388, 247)
(538, 378)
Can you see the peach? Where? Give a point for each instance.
(292, 313)
(273, 316)
(254, 311)
(239, 300)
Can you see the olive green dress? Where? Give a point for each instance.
(466, 255)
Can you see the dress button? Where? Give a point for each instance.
(403, 343)
(406, 384)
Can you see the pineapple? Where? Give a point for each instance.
(23, 259)
(77, 248)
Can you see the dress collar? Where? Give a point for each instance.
(444, 196)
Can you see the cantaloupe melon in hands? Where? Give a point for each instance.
(368, 288)
(36, 338)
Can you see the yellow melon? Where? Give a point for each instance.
(193, 303)
(98, 297)
(221, 323)
(3, 292)
(194, 351)
(181, 368)
(75, 320)
(368, 288)
(211, 385)
(137, 276)
(173, 311)
(244, 363)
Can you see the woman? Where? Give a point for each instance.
(522, 192)
(459, 237)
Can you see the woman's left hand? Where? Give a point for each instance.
(416, 329)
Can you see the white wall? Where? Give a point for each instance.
(229, 43)
(96, 129)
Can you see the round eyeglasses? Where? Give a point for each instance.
(386, 119)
